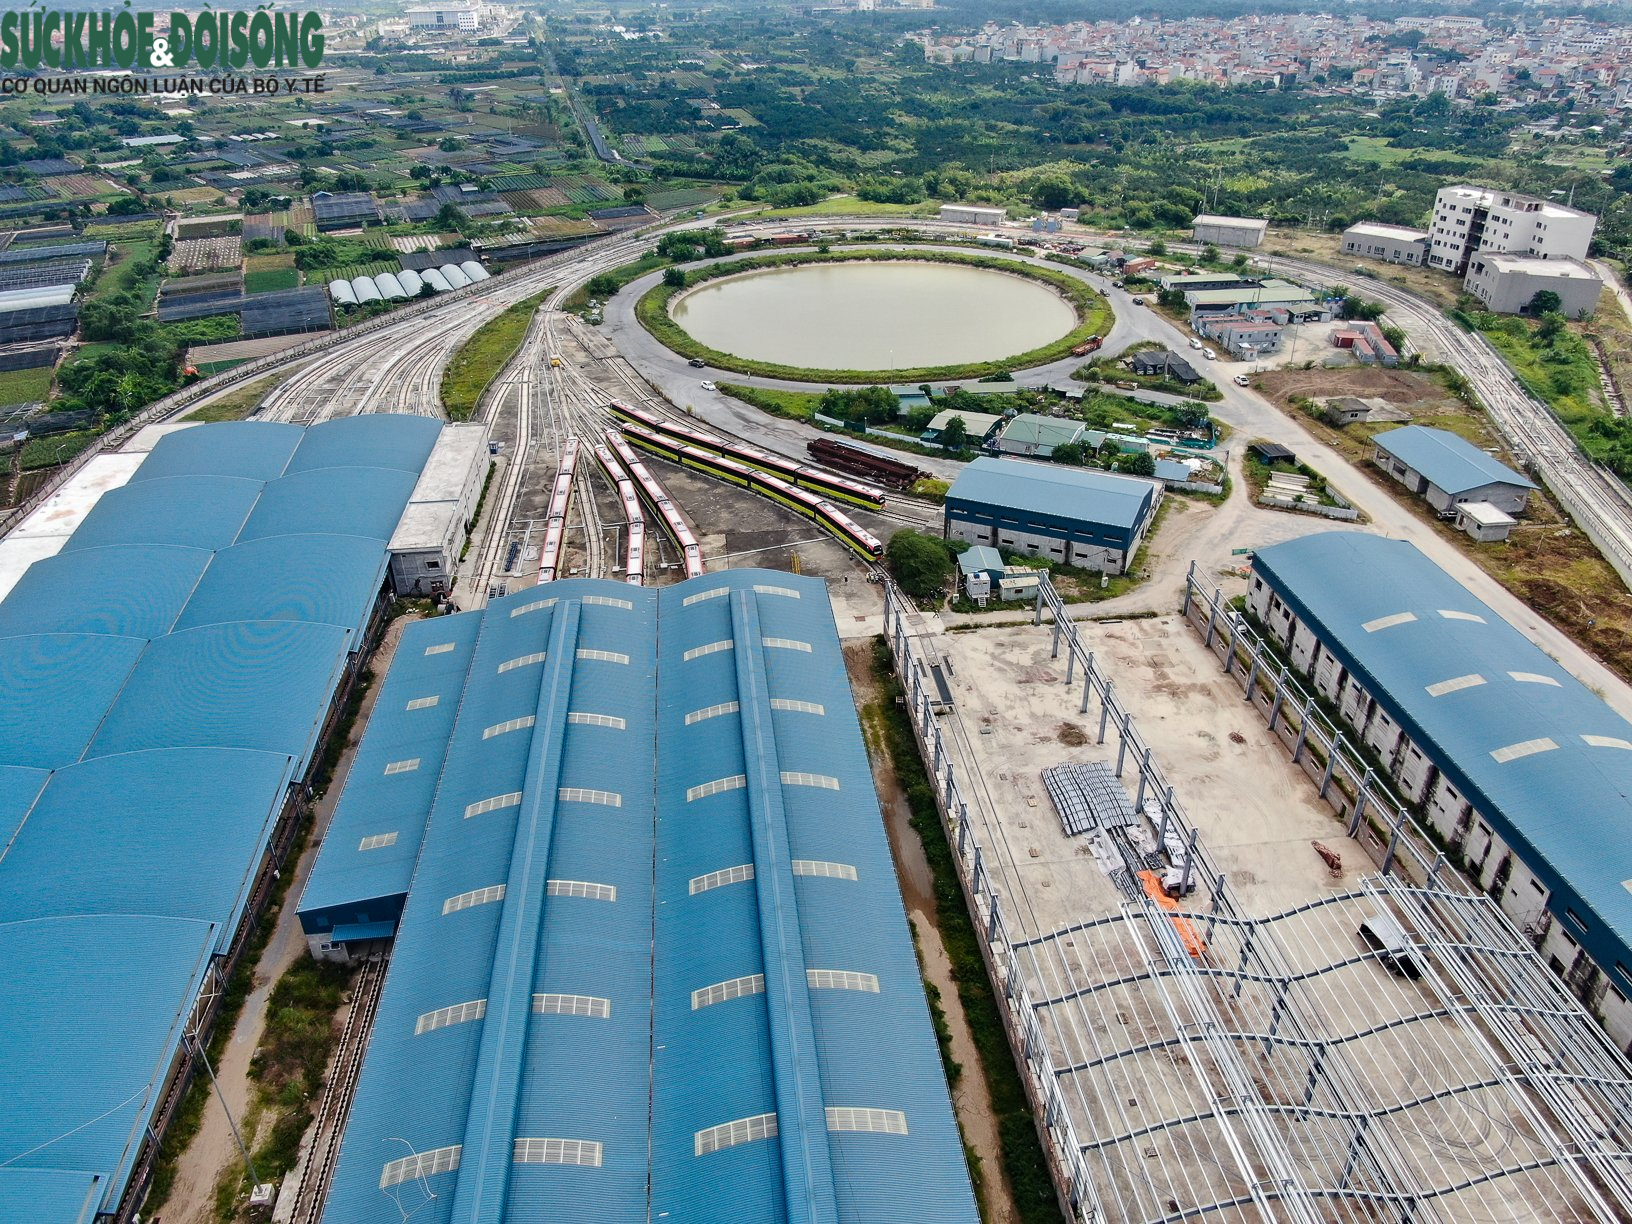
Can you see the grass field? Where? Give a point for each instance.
(271, 279)
(847, 206)
(56, 448)
(238, 404)
(579, 298)
(487, 352)
(25, 386)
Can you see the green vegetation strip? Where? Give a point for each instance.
(481, 358)
(1093, 315)
(1022, 1150)
(606, 284)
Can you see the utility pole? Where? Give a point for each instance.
(232, 1122)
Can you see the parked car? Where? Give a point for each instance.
(708, 386)
(1209, 354)
(1194, 343)
(1139, 301)
(1241, 380)
(697, 363)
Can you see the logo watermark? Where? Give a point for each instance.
(42, 39)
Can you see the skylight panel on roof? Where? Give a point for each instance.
(818, 867)
(397, 767)
(732, 988)
(509, 725)
(702, 595)
(420, 1164)
(718, 785)
(788, 644)
(1606, 741)
(697, 652)
(581, 888)
(788, 592)
(597, 720)
(557, 1151)
(525, 660)
(493, 804)
(603, 656)
(607, 601)
(1388, 622)
(1527, 748)
(730, 1134)
(572, 1005)
(841, 979)
(1452, 614)
(802, 707)
(537, 604)
(874, 1121)
(443, 1017)
(1534, 678)
(473, 898)
(718, 879)
(713, 711)
(377, 841)
(1454, 685)
(581, 794)
(439, 648)
(791, 777)
(423, 703)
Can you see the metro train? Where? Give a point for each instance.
(836, 488)
(673, 522)
(634, 566)
(801, 501)
(549, 557)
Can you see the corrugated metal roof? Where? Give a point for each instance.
(1448, 461)
(101, 816)
(248, 684)
(93, 1013)
(57, 687)
(1404, 628)
(324, 579)
(258, 450)
(570, 803)
(371, 439)
(357, 501)
(132, 589)
(196, 511)
(198, 735)
(1045, 488)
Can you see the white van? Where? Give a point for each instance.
(1386, 937)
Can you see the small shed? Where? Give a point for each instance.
(1484, 522)
(1272, 453)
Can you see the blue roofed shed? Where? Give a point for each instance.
(356, 501)
(1071, 515)
(58, 686)
(1533, 751)
(1448, 470)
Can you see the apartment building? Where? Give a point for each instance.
(1469, 220)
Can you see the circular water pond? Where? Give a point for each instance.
(874, 316)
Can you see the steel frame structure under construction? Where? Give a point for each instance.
(1189, 1060)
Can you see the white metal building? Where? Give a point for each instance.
(1506, 284)
(425, 546)
(1398, 244)
(1230, 231)
(973, 214)
(465, 19)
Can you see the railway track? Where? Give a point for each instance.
(328, 1126)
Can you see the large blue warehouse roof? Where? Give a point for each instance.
(166, 677)
(623, 756)
(1450, 462)
(1535, 751)
(1049, 488)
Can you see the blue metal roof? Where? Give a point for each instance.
(248, 684)
(1565, 806)
(94, 1012)
(132, 589)
(57, 687)
(1450, 462)
(573, 798)
(1062, 492)
(98, 842)
(326, 579)
(198, 511)
(145, 851)
(979, 559)
(259, 450)
(412, 720)
(375, 439)
(355, 501)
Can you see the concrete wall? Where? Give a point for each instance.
(1510, 292)
(1506, 497)
(1016, 538)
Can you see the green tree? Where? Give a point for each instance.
(1136, 463)
(1544, 302)
(921, 564)
(955, 436)
(1073, 453)
(674, 278)
(1158, 247)
(1552, 325)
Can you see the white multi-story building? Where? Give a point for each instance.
(1468, 220)
(467, 20)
